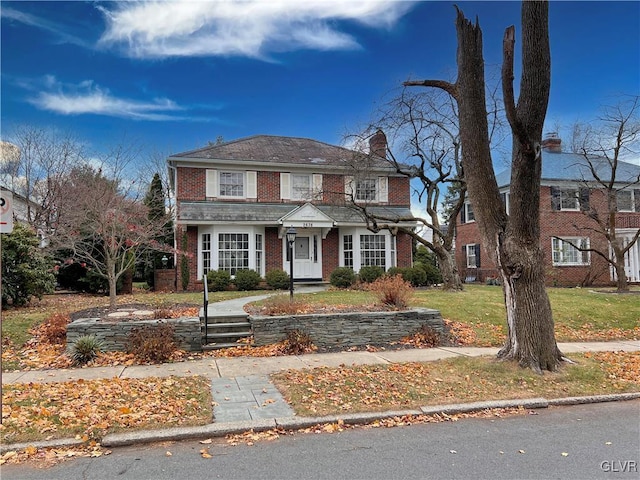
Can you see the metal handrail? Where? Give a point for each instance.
(206, 308)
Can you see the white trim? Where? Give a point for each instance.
(252, 184)
(285, 186)
(211, 187)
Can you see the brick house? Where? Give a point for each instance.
(236, 200)
(567, 189)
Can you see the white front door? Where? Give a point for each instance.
(307, 255)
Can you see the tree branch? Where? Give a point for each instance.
(448, 87)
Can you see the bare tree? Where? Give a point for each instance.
(424, 130)
(613, 182)
(102, 221)
(514, 240)
(45, 157)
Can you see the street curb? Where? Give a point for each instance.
(295, 423)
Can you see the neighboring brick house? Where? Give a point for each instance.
(567, 189)
(236, 200)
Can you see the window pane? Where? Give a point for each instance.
(366, 189)
(625, 201)
(233, 252)
(301, 187)
(231, 184)
(372, 250)
(348, 250)
(569, 199)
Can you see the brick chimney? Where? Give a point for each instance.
(552, 143)
(378, 144)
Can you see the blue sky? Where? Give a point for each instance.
(173, 77)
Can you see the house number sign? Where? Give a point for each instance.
(307, 225)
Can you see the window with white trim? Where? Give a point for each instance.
(231, 184)
(347, 248)
(366, 190)
(565, 253)
(301, 187)
(206, 252)
(259, 253)
(373, 251)
(624, 200)
(467, 215)
(233, 252)
(472, 255)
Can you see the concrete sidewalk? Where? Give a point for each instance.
(242, 366)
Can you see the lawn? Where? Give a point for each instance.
(367, 388)
(579, 314)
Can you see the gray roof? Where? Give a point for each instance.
(560, 166)
(265, 213)
(276, 149)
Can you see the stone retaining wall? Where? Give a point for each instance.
(114, 335)
(346, 329)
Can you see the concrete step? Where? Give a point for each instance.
(219, 345)
(222, 326)
(241, 334)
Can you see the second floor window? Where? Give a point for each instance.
(301, 187)
(231, 184)
(569, 198)
(624, 200)
(366, 190)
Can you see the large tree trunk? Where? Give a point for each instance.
(448, 269)
(515, 241)
(621, 275)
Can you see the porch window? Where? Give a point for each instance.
(206, 252)
(259, 253)
(373, 251)
(347, 247)
(233, 252)
(566, 253)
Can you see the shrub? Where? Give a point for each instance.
(416, 276)
(370, 274)
(342, 277)
(152, 343)
(54, 329)
(218, 280)
(392, 291)
(72, 276)
(247, 279)
(277, 279)
(85, 349)
(26, 272)
(297, 342)
(431, 271)
(282, 305)
(427, 337)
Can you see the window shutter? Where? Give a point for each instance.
(285, 186)
(555, 198)
(211, 189)
(584, 199)
(636, 198)
(383, 189)
(317, 186)
(252, 184)
(477, 248)
(348, 188)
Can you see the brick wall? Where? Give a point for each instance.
(190, 183)
(399, 191)
(330, 253)
(404, 246)
(273, 249)
(268, 187)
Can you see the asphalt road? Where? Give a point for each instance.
(598, 441)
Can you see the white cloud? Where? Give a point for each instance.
(57, 30)
(89, 98)
(251, 28)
